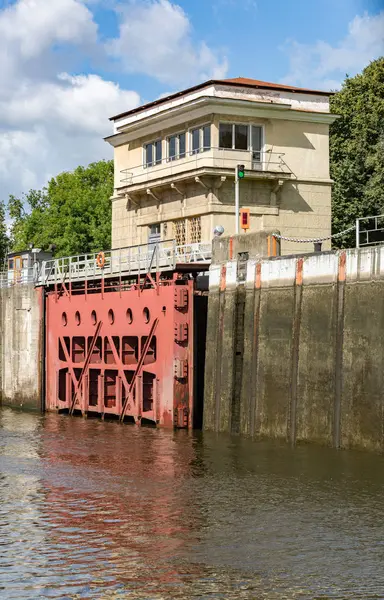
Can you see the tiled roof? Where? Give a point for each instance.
(244, 81)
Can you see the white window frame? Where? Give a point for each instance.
(155, 163)
(250, 147)
(177, 136)
(201, 139)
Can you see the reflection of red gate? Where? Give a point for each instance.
(126, 352)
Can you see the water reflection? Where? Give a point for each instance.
(98, 510)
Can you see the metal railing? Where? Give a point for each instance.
(18, 277)
(219, 158)
(369, 231)
(133, 260)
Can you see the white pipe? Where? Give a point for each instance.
(237, 203)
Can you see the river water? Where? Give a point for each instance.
(99, 510)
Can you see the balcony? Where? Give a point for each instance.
(215, 161)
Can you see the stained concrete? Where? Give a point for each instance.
(296, 352)
(21, 346)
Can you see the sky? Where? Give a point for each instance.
(66, 66)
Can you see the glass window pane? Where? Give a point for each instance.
(207, 137)
(195, 135)
(256, 142)
(10, 264)
(241, 137)
(158, 153)
(172, 148)
(225, 135)
(182, 145)
(148, 155)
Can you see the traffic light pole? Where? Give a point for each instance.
(237, 202)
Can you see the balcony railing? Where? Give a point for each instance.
(133, 260)
(18, 277)
(213, 158)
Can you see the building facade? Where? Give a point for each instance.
(175, 161)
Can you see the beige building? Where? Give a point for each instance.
(175, 161)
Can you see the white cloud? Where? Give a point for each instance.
(156, 38)
(50, 120)
(325, 66)
(33, 25)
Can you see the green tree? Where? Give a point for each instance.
(4, 241)
(74, 212)
(357, 150)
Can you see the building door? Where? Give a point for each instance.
(17, 270)
(154, 233)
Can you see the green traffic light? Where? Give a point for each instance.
(240, 171)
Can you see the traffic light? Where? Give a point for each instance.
(240, 171)
(245, 218)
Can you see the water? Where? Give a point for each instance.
(98, 510)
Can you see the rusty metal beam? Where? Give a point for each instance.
(86, 366)
(139, 366)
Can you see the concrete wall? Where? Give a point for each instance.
(21, 346)
(296, 352)
(296, 210)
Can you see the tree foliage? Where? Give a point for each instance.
(73, 213)
(4, 241)
(357, 150)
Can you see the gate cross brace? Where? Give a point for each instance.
(85, 367)
(139, 366)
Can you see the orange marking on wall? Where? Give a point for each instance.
(299, 271)
(342, 267)
(230, 248)
(258, 276)
(223, 276)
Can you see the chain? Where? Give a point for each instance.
(313, 240)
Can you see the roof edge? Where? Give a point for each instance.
(278, 87)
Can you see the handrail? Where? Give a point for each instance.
(263, 160)
(131, 260)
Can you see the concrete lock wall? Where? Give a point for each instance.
(21, 346)
(295, 348)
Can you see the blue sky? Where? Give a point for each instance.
(67, 65)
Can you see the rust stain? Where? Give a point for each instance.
(258, 276)
(299, 271)
(223, 277)
(342, 266)
(230, 248)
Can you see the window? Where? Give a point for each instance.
(25, 263)
(206, 137)
(225, 135)
(152, 153)
(176, 146)
(11, 264)
(154, 229)
(236, 136)
(241, 137)
(195, 230)
(180, 232)
(195, 141)
(257, 142)
(154, 233)
(200, 139)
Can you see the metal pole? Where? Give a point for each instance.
(357, 234)
(237, 203)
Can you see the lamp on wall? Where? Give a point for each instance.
(218, 231)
